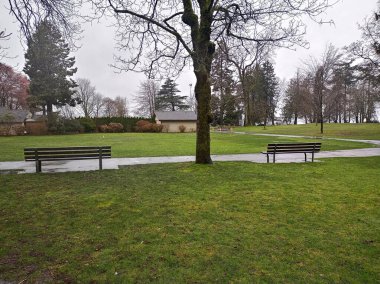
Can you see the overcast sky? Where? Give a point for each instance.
(95, 56)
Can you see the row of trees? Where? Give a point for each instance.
(171, 34)
(341, 86)
(94, 104)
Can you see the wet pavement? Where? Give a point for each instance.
(115, 163)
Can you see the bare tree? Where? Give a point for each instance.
(98, 104)
(109, 107)
(4, 36)
(323, 69)
(86, 94)
(146, 97)
(61, 13)
(171, 33)
(368, 48)
(68, 111)
(121, 106)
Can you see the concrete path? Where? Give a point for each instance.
(375, 142)
(115, 163)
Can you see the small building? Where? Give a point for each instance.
(12, 122)
(177, 121)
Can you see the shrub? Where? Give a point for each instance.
(71, 126)
(146, 126)
(103, 128)
(128, 123)
(182, 128)
(88, 124)
(115, 127)
(157, 127)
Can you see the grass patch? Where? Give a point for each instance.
(230, 222)
(368, 131)
(155, 144)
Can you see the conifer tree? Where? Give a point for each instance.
(49, 68)
(167, 98)
(224, 104)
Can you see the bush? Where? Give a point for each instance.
(112, 127)
(146, 126)
(71, 126)
(182, 128)
(103, 128)
(88, 124)
(127, 122)
(115, 127)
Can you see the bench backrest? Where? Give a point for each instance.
(294, 147)
(67, 153)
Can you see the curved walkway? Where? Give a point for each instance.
(116, 163)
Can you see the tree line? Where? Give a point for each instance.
(166, 36)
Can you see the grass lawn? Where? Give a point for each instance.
(369, 131)
(230, 222)
(156, 144)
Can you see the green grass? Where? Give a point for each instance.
(369, 131)
(155, 144)
(229, 222)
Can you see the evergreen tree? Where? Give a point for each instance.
(49, 68)
(270, 88)
(167, 98)
(224, 104)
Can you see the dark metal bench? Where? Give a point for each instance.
(67, 153)
(289, 148)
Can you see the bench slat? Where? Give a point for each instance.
(66, 148)
(65, 159)
(59, 157)
(63, 152)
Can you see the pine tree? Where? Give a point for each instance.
(270, 87)
(49, 68)
(167, 98)
(224, 107)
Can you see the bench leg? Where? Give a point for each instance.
(38, 166)
(305, 157)
(274, 158)
(100, 163)
(267, 158)
(312, 157)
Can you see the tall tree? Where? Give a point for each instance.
(167, 98)
(271, 91)
(170, 33)
(121, 106)
(181, 30)
(50, 67)
(146, 98)
(224, 104)
(86, 94)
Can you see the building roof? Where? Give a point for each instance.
(17, 115)
(176, 115)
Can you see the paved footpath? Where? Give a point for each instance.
(115, 163)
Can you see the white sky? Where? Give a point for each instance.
(95, 56)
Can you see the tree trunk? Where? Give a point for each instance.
(203, 96)
(49, 108)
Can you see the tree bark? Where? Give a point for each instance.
(203, 96)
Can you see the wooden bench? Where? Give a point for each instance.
(67, 153)
(289, 148)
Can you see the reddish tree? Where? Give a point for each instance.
(13, 88)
